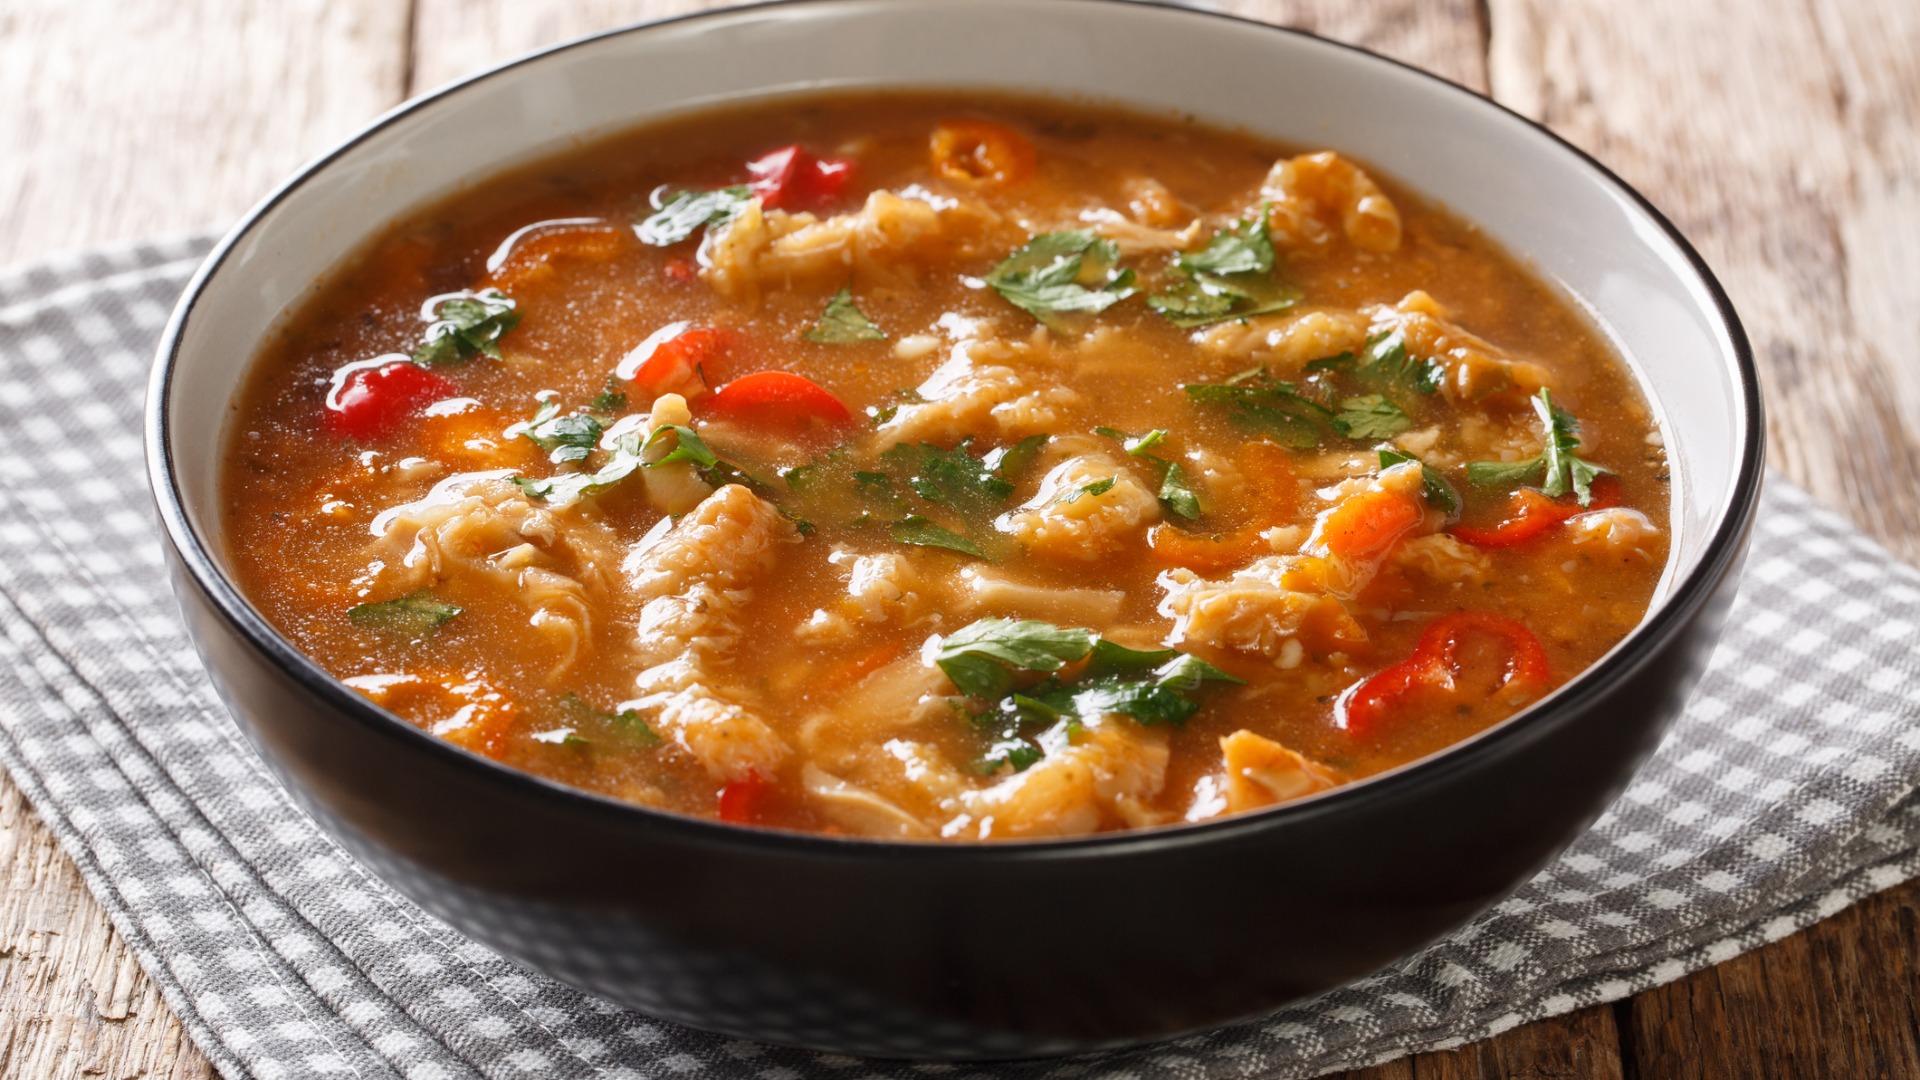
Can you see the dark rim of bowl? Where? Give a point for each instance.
(1639, 647)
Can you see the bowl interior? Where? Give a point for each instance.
(1575, 224)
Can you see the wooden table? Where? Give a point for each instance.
(1783, 138)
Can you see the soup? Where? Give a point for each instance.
(927, 468)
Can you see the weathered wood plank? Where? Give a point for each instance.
(1795, 168)
(1780, 137)
(1583, 1045)
(125, 120)
(1840, 999)
(73, 1002)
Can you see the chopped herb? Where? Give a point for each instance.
(1098, 487)
(880, 414)
(683, 214)
(1148, 687)
(564, 438)
(611, 400)
(918, 531)
(985, 659)
(1275, 408)
(982, 656)
(1134, 445)
(559, 737)
(415, 615)
(1010, 461)
(1230, 278)
(465, 323)
(842, 322)
(687, 447)
(1370, 417)
(1558, 469)
(1175, 493)
(952, 478)
(1387, 360)
(627, 723)
(1063, 272)
(1440, 492)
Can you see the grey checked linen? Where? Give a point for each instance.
(1784, 794)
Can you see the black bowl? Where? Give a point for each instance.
(968, 950)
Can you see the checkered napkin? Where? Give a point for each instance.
(1784, 794)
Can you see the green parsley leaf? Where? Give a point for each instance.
(626, 723)
(1009, 462)
(1275, 408)
(1503, 473)
(1176, 494)
(564, 438)
(1387, 360)
(683, 214)
(1370, 417)
(1147, 686)
(1244, 249)
(1134, 445)
(611, 400)
(921, 532)
(952, 478)
(687, 446)
(1063, 272)
(982, 656)
(1098, 487)
(1230, 278)
(415, 615)
(463, 324)
(842, 322)
(1559, 470)
(1440, 492)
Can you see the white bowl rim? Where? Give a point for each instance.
(1720, 556)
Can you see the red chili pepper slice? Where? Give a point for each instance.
(370, 399)
(675, 360)
(1435, 661)
(780, 400)
(793, 178)
(1534, 513)
(742, 801)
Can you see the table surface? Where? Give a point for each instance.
(1783, 137)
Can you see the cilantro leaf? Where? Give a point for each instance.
(1176, 494)
(1244, 249)
(1440, 492)
(982, 656)
(1371, 416)
(1275, 408)
(687, 446)
(842, 322)
(1147, 686)
(1387, 360)
(415, 615)
(951, 478)
(461, 324)
(1063, 272)
(564, 438)
(921, 532)
(1230, 278)
(1136, 446)
(1009, 462)
(1559, 469)
(626, 723)
(683, 214)
(1097, 487)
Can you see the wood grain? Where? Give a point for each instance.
(125, 120)
(1780, 136)
(1781, 139)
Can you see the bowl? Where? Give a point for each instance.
(952, 951)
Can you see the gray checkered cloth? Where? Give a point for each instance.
(1784, 794)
